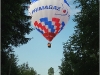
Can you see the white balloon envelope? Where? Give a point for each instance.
(49, 16)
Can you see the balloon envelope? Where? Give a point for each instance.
(49, 16)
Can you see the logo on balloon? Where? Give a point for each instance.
(46, 7)
(64, 11)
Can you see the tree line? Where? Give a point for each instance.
(81, 51)
(15, 25)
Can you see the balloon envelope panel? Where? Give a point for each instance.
(49, 16)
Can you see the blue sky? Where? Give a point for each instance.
(38, 55)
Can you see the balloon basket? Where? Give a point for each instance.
(49, 45)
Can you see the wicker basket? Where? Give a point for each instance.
(49, 45)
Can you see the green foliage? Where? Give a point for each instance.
(9, 64)
(15, 23)
(26, 70)
(14, 26)
(51, 71)
(81, 50)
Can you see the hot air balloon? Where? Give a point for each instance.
(49, 17)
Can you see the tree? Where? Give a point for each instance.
(81, 50)
(15, 23)
(51, 71)
(26, 70)
(9, 64)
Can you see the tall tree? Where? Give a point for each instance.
(14, 23)
(51, 71)
(81, 50)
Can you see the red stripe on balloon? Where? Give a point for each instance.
(57, 24)
(55, 19)
(40, 26)
(57, 28)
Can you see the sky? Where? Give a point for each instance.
(36, 52)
